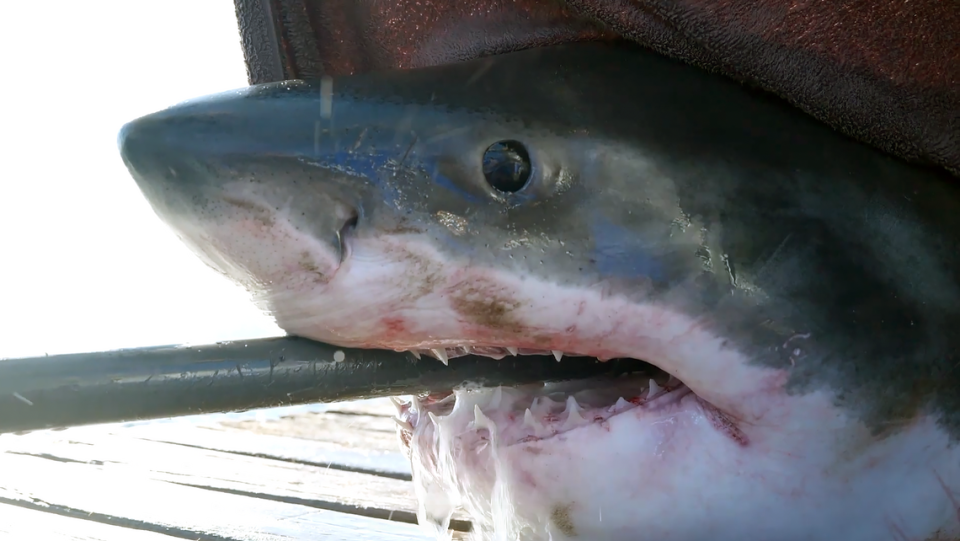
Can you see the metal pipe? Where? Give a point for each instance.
(149, 383)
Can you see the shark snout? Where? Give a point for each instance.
(237, 175)
(179, 157)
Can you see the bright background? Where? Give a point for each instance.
(85, 264)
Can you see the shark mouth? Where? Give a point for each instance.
(535, 412)
(530, 413)
(464, 443)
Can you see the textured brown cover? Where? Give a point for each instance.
(886, 72)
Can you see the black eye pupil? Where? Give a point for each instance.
(506, 166)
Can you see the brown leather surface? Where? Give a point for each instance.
(886, 72)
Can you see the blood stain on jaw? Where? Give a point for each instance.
(394, 326)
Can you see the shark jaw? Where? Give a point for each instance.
(605, 458)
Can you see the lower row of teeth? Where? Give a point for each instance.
(549, 424)
(445, 354)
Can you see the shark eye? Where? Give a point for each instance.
(506, 166)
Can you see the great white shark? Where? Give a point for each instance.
(795, 293)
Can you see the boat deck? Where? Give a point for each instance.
(331, 472)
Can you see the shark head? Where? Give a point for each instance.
(794, 293)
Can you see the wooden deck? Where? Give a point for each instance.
(331, 472)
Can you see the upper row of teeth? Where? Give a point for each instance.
(441, 354)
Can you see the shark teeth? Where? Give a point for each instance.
(574, 419)
(444, 354)
(482, 421)
(621, 405)
(531, 421)
(654, 390)
(441, 355)
(495, 417)
(542, 405)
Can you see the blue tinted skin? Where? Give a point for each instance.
(618, 254)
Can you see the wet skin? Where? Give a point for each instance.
(799, 291)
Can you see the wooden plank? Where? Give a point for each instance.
(124, 496)
(373, 406)
(18, 523)
(366, 424)
(389, 463)
(321, 487)
(288, 472)
(345, 428)
(358, 435)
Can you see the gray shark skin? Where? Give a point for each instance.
(799, 292)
